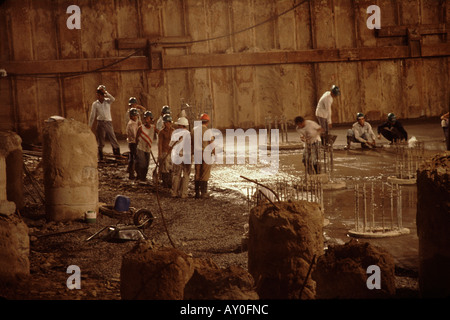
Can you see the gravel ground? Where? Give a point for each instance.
(207, 228)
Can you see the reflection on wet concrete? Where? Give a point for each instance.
(355, 166)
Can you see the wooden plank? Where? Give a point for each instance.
(304, 56)
(436, 50)
(220, 59)
(131, 43)
(402, 31)
(164, 42)
(75, 65)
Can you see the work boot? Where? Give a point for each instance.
(197, 189)
(204, 189)
(116, 152)
(316, 168)
(100, 154)
(184, 187)
(164, 179)
(175, 186)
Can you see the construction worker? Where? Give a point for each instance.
(101, 110)
(323, 110)
(445, 128)
(181, 171)
(132, 129)
(160, 122)
(202, 168)
(310, 133)
(392, 130)
(133, 103)
(361, 132)
(164, 158)
(144, 138)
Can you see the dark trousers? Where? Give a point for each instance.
(447, 139)
(132, 159)
(392, 135)
(142, 163)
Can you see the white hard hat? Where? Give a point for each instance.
(182, 121)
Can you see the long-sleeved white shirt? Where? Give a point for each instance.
(323, 109)
(101, 110)
(360, 131)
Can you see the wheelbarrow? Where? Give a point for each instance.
(122, 211)
(137, 221)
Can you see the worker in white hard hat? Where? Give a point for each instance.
(202, 167)
(181, 158)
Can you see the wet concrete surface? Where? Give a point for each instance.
(351, 167)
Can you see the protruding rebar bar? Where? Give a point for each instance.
(365, 208)
(382, 207)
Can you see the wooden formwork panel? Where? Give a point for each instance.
(280, 67)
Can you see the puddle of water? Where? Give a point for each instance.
(352, 167)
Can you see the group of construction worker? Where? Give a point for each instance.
(315, 134)
(142, 131)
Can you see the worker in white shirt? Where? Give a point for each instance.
(361, 132)
(310, 133)
(181, 159)
(323, 110)
(101, 110)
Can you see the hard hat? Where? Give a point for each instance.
(359, 115)
(132, 100)
(148, 114)
(204, 117)
(167, 118)
(133, 112)
(101, 88)
(335, 90)
(182, 121)
(391, 117)
(165, 110)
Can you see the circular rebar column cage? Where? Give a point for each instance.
(370, 215)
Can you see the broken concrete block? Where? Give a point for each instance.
(281, 247)
(154, 273)
(433, 226)
(70, 170)
(11, 172)
(209, 282)
(342, 272)
(14, 248)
